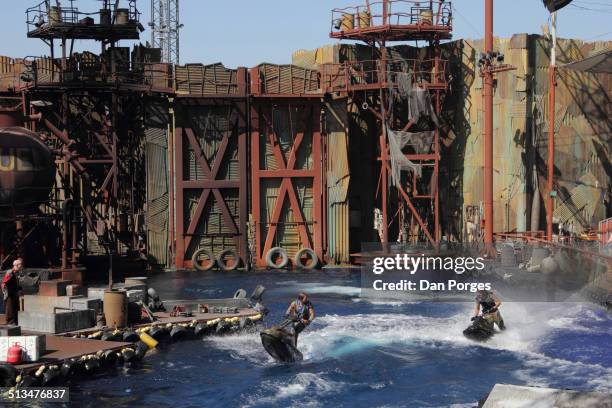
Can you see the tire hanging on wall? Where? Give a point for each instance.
(306, 251)
(221, 262)
(283, 256)
(196, 264)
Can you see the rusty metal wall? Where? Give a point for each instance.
(583, 132)
(157, 122)
(286, 166)
(211, 177)
(199, 79)
(337, 179)
(283, 80)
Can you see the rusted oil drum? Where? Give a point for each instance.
(115, 308)
(27, 172)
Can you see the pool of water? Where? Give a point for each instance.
(360, 353)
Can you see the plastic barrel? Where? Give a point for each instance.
(115, 308)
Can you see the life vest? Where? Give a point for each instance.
(302, 309)
(487, 305)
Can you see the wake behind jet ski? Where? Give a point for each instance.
(279, 342)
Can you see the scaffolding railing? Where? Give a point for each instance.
(374, 74)
(45, 14)
(87, 68)
(430, 14)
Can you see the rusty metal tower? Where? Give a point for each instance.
(165, 28)
(374, 85)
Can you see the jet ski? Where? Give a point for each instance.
(480, 329)
(279, 342)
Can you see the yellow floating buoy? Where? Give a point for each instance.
(148, 340)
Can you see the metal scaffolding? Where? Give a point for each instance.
(165, 28)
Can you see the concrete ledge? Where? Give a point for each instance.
(59, 322)
(514, 396)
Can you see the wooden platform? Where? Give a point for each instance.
(60, 348)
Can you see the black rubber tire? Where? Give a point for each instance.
(221, 264)
(298, 259)
(282, 253)
(196, 255)
(8, 375)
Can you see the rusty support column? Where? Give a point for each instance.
(178, 185)
(551, 130)
(384, 178)
(171, 182)
(488, 130)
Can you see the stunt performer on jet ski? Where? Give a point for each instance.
(489, 303)
(302, 311)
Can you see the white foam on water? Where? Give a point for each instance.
(529, 326)
(308, 386)
(321, 288)
(381, 302)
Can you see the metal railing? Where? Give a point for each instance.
(45, 14)
(45, 71)
(373, 73)
(431, 13)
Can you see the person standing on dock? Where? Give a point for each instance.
(303, 311)
(10, 291)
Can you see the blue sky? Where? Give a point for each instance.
(247, 32)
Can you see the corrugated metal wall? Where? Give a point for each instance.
(286, 160)
(583, 134)
(210, 123)
(338, 178)
(156, 154)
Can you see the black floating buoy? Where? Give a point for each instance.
(128, 354)
(110, 358)
(223, 327)
(51, 374)
(111, 336)
(178, 333)
(159, 333)
(91, 364)
(141, 350)
(201, 329)
(69, 368)
(28, 380)
(130, 336)
(8, 375)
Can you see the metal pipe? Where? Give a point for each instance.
(551, 130)
(488, 129)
